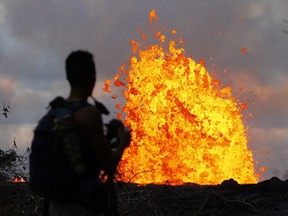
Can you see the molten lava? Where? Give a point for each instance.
(18, 180)
(184, 127)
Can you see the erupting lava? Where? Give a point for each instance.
(184, 127)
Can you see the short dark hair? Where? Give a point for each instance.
(80, 68)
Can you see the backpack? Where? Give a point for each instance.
(57, 162)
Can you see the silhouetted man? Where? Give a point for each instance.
(82, 152)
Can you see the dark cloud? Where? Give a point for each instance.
(57, 27)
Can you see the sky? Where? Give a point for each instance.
(37, 35)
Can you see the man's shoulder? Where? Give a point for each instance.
(89, 119)
(88, 112)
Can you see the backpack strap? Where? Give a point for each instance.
(60, 102)
(57, 102)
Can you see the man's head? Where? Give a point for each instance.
(80, 70)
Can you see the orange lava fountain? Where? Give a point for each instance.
(184, 127)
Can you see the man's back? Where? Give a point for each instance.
(81, 75)
(90, 124)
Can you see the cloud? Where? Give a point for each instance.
(7, 89)
(2, 13)
(271, 106)
(257, 9)
(20, 133)
(28, 101)
(266, 101)
(285, 175)
(269, 149)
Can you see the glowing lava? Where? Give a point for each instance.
(18, 180)
(184, 127)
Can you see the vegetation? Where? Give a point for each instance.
(5, 110)
(13, 166)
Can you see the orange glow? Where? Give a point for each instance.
(157, 34)
(263, 169)
(244, 50)
(153, 16)
(144, 36)
(243, 106)
(18, 180)
(119, 115)
(185, 128)
(107, 86)
(118, 83)
(173, 32)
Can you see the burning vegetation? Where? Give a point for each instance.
(185, 128)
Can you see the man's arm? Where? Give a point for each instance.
(90, 119)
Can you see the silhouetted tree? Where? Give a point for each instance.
(12, 165)
(5, 110)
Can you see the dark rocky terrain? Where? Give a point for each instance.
(265, 198)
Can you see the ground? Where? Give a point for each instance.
(267, 198)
